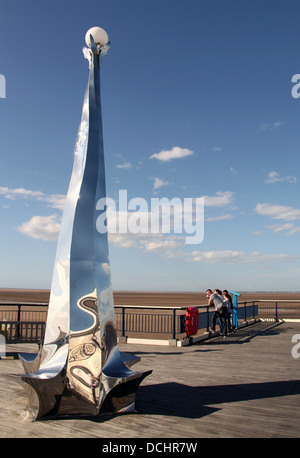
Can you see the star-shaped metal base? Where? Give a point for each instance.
(54, 396)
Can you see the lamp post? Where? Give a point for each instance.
(80, 369)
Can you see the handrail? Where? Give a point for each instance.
(278, 300)
(161, 307)
(31, 304)
(172, 322)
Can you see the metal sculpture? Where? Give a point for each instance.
(80, 370)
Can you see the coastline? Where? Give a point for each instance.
(150, 298)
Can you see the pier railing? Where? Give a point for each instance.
(169, 322)
(279, 309)
(23, 322)
(26, 322)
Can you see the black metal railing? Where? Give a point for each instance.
(22, 332)
(23, 311)
(23, 322)
(26, 322)
(135, 319)
(169, 322)
(279, 309)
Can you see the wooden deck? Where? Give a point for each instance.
(247, 385)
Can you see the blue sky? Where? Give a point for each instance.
(209, 77)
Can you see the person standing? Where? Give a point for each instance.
(227, 301)
(218, 316)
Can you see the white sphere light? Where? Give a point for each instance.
(99, 35)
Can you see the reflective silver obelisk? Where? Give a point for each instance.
(80, 370)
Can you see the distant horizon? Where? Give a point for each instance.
(157, 291)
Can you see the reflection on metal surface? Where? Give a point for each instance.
(80, 370)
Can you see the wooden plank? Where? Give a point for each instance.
(246, 385)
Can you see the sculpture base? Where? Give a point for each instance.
(53, 397)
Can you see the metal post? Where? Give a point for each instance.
(123, 321)
(207, 319)
(18, 320)
(174, 325)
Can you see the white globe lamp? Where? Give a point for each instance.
(99, 35)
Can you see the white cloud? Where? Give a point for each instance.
(41, 227)
(219, 218)
(166, 245)
(291, 179)
(105, 266)
(238, 257)
(171, 246)
(219, 200)
(13, 194)
(175, 153)
(271, 126)
(278, 212)
(288, 228)
(293, 230)
(159, 182)
(54, 200)
(280, 227)
(125, 165)
(216, 149)
(274, 177)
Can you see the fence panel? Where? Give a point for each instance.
(279, 309)
(27, 322)
(22, 332)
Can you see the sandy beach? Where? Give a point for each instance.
(146, 298)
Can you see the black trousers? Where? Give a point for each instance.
(222, 321)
